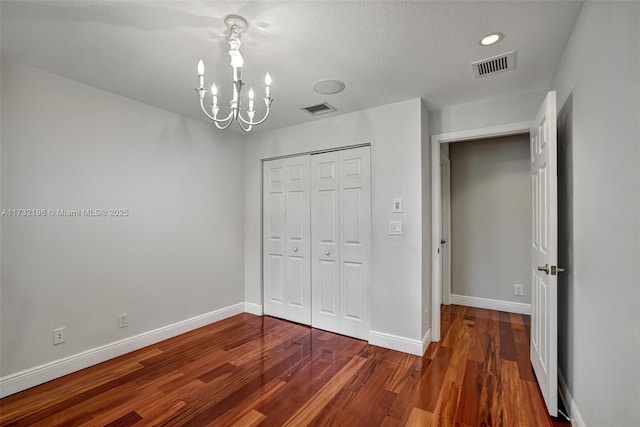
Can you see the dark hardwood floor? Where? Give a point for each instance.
(249, 370)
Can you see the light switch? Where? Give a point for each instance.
(395, 228)
(397, 205)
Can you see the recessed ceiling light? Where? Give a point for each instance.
(492, 38)
(329, 87)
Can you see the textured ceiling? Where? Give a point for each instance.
(385, 51)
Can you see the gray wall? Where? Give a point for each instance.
(394, 132)
(491, 218)
(179, 252)
(598, 95)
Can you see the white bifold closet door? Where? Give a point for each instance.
(287, 244)
(341, 241)
(317, 240)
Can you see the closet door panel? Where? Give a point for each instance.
(355, 242)
(298, 240)
(274, 226)
(286, 239)
(325, 252)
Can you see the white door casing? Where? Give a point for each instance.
(341, 241)
(286, 239)
(436, 208)
(445, 248)
(544, 251)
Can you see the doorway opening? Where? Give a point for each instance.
(437, 209)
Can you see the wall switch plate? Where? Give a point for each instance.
(397, 205)
(59, 335)
(122, 321)
(395, 228)
(518, 289)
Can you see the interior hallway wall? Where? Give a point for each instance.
(598, 97)
(491, 218)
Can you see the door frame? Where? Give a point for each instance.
(436, 208)
(445, 272)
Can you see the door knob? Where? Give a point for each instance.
(545, 268)
(442, 242)
(295, 249)
(327, 253)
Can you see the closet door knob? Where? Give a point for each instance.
(295, 249)
(327, 253)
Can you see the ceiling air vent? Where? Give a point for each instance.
(316, 110)
(494, 65)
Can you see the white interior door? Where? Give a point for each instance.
(445, 242)
(341, 241)
(286, 239)
(544, 253)
(325, 238)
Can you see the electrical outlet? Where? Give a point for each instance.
(59, 335)
(122, 321)
(518, 289)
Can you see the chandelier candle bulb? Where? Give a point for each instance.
(214, 92)
(201, 73)
(251, 99)
(267, 81)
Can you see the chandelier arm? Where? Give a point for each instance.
(247, 129)
(223, 127)
(252, 123)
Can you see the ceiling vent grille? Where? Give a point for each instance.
(494, 65)
(316, 110)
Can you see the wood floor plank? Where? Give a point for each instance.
(512, 396)
(252, 418)
(351, 405)
(162, 412)
(235, 414)
(431, 380)
(507, 345)
(467, 411)
(310, 410)
(420, 418)
(408, 393)
(447, 407)
(251, 370)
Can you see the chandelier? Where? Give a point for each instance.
(236, 26)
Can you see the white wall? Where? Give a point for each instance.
(426, 220)
(499, 111)
(598, 95)
(394, 132)
(179, 252)
(491, 218)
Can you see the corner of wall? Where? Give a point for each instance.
(425, 153)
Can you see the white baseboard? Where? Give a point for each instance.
(40, 374)
(569, 403)
(491, 304)
(426, 340)
(394, 342)
(252, 308)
